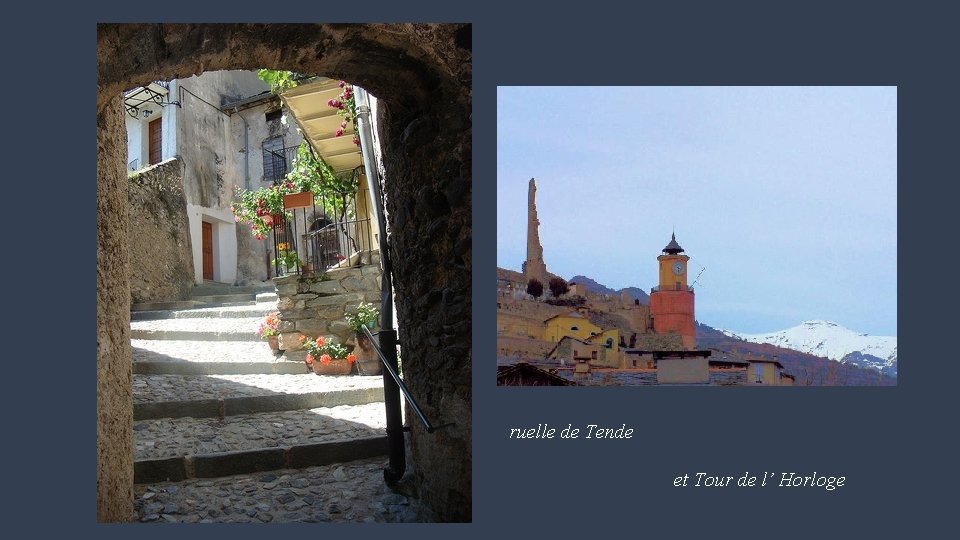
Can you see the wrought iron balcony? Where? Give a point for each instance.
(310, 243)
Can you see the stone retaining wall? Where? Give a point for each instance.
(161, 263)
(315, 306)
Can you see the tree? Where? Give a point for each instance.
(558, 287)
(535, 288)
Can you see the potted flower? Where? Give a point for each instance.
(286, 258)
(270, 329)
(365, 315)
(327, 357)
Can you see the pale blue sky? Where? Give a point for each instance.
(785, 197)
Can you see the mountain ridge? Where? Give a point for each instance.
(593, 286)
(834, 341)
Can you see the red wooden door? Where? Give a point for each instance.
(207, 251)
(156, 141)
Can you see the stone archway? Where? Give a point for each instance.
(422, 76)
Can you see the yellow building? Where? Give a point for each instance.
(764, 371)
(609, 338)
(571, 351)
(573, 324)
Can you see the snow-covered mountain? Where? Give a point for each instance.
(829, 339)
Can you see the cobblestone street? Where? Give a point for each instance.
(232, 417)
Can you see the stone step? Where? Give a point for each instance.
(257, 309)
(179, 448)
(220, 368)
(207, 329)
(225, 299)
(155, 306)
(267, 297)
(215, 408)
(185, 351)
(188, 388)
(217, 289)
(343, 492)
(172, 357)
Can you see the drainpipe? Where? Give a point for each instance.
(387, 336)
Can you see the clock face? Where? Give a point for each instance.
(678, 268)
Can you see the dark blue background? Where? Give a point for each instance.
(896, 446)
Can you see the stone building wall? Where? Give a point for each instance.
(523, 349)
(315, 306)
(659, 342)
(114, 366)
(161, 267)
(728, 377)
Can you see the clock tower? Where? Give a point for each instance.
(671, 302)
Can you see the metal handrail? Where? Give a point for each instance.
(396, 377)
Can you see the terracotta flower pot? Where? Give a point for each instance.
(368, 363)
(274, 343)
(335, 367)
(293, 201)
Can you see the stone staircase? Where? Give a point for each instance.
(225, 430)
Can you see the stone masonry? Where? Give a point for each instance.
(159, 235)
(534, 267)
(315, 306)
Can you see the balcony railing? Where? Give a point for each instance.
(310, 243)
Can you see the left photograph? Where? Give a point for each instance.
(272, 345)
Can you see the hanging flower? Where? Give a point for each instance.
(346, 106)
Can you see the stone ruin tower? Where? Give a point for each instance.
(534, 267)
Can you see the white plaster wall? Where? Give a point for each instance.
(224, 242)
(138, 137)
(211, 145)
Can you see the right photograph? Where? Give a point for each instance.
(697, 236)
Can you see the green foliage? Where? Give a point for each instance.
(535, 288)
(287, 257)
(558, 287)
(365, 315)
(331, 190)
(278, 80)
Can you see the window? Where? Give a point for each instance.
(758, 369)
(273, 115)
(274, 160)
(574, 328)
(593, 354)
